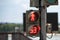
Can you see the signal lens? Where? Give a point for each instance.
(34, 30)
(33, 16)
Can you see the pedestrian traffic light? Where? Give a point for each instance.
(33, 16)
(51, 2)
(32, 23)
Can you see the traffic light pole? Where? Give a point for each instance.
(43, 9)
(43, 24)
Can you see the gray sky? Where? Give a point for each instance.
(12, 10)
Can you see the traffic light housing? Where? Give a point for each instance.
(24, 22)
(32, 23)
(51, 2)
(34, 3)
(37, 3)
(52, 18)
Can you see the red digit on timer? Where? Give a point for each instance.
(33, 30)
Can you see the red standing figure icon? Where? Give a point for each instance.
(32, 17)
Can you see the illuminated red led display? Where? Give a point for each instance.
(34, 30)
(33, 16)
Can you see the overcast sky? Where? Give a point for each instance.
(12, 10)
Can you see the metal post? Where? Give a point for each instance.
(42, 9)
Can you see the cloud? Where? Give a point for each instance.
(14, 10)
(16, 1)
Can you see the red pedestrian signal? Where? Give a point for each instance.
(33, 16)
(33, 23)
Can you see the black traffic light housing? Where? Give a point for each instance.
(32, 22)
(34, 3)
(24, 22)
(53, 19)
